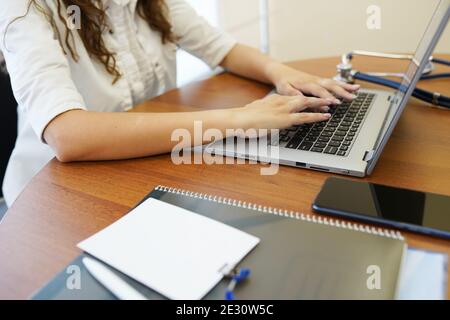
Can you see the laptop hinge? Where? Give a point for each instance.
(368, 155)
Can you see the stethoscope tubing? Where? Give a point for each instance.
(440, 61)
(433, 98)
(418, 93)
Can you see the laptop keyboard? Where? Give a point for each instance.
(334, 136)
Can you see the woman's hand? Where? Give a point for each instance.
(278, 112)
(291, 82)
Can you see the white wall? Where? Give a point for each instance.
(305, 28)
(238, 17)
(300, 29)
(241, 19)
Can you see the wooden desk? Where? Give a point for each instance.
(66, 203)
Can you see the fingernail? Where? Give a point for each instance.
(356, 86)
(333, 100)
(353, 96)
(327, 115)
(326, 109)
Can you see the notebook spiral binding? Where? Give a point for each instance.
(285, 213)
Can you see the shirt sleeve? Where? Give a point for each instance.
(39, 70)
(197, 36)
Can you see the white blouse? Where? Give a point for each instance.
(47, 83)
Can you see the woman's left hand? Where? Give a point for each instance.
(291, 82)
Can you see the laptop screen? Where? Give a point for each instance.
(424, 51)
(421, 55)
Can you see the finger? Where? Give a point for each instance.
(319, 109)
(342, 93)
(347, 86)
(323, 109)
(305, 117)
(314, 103)
(329, 84)
(318, 91)
(302, 103)
(288, 90)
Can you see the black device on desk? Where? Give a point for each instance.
(412, 210)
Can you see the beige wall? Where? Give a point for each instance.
(241, 19)
(305, 28)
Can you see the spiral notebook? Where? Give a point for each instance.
(299, 256)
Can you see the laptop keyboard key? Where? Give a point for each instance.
(305, 146)
(337, 138)
(310, 139)
(330, 150)
(346, 143)
(320, 144)
(324, 139)
(334, 144)
(293, 144)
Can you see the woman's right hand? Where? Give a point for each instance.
(279, 112)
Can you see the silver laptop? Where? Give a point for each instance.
(352, 140)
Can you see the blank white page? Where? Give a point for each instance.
(176, 252)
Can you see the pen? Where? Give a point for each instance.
(237, 276)
(116, 285)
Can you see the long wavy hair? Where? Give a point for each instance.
(94, 22)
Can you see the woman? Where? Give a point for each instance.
(72, 84)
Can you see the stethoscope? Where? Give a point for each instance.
(347, 74)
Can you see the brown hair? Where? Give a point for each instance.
(94, 22)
